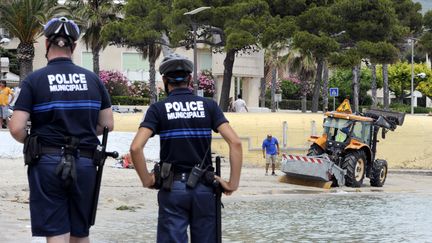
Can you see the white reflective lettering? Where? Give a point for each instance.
(75, 78)
(59, 79)
(168, 107)
(176, 106)
(83, 78)
(51, 79)
(193, 106)
(200, 105)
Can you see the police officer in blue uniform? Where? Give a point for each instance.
(68, 107)
(184, 123)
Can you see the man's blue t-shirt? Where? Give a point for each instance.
(63, 100)
(184, 123)
(270, 146)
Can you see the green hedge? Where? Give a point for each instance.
(290, 104)
(296, 105)
(407, 108)
(127, 100)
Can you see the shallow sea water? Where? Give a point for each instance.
(332, 217)
(347, 217)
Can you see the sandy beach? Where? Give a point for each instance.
(125, 206)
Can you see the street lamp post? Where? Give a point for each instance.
(412, 75)
(194, 29)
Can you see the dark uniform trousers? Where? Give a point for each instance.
(184, 206)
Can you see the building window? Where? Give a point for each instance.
(205, 60)
(134, 62)
(87, 60)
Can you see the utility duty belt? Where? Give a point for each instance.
(33, 149)
(87, 153)
(165, 175)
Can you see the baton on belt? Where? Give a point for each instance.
(218, 203)
(99, 159)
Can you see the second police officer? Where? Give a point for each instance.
(184, 123)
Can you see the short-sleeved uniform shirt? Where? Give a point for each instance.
(270, 146)
(63, 99)
(184, 123)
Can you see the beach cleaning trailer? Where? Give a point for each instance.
(346, 152)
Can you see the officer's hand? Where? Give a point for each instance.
(149, 182)
(228, 188)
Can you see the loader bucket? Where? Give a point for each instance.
(397, 118)
(315, 171)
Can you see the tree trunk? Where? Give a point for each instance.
(303, 103)
(374, 86)
(226, 84)
(166, 49)
(262, 92)
(402, 95)
(355, 86)
(273, 89)
(152, 55)
(386, 91)
(303, 92)
(95, 52)
(25, 56)
(317, 86)
(325, 89)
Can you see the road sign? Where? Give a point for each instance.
(200, 92)
(334, 92)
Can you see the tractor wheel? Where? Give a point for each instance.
(379, 173)
(315, 149)
(355, 165)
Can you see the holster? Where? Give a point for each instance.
(209, 179)
(66, 168)
(164, 176)
(167, 176)
(31, 150)
(157, 175)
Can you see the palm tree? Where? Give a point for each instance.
(23, 19)
(152, 52)
(272, 62)
(93, 15)
(302, 63)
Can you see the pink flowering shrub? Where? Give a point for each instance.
(139, 89)
(205, 82)
(115, 82)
